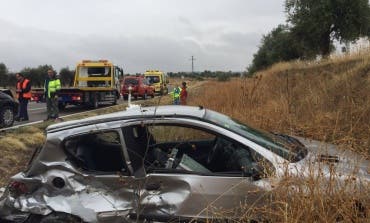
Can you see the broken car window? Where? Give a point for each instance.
(288, 149)
(100, 151)
(173, 148)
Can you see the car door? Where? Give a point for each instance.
(104, 185)
(193, 189)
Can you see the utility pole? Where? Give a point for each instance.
(192, 65)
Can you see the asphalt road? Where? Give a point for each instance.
(37, 111)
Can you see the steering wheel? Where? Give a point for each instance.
(212, 153)
(171, 161)
(177, 159)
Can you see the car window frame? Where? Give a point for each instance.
(127, 172)
(200, 125)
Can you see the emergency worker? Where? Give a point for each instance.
(51, 88)
(176, 95)
(23, 90)
(183, 94)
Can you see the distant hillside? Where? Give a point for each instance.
(327, 100)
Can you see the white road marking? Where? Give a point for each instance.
(33, 109)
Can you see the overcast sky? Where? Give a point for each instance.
(136, 34)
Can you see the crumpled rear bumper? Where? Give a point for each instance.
(8, 214)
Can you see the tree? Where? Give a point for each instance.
(3, 75)
(66, 76)
(278, 45)
(316, 23)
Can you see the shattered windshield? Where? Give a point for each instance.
(281, 145)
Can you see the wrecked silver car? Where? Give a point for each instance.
(161, 163)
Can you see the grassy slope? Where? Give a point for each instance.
(329, 100)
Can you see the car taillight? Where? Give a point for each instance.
(76, 98)
(17, 188)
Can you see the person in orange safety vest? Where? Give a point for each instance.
(23, 90)
(183, 94)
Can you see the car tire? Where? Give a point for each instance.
(7, 116)
(54, 217)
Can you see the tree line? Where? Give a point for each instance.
(310, 30)
(36, 75)
(219, 75)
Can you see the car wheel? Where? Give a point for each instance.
(6, 116)
(53, 218)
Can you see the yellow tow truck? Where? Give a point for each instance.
(157, 79)
(96, 82)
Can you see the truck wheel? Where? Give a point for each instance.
(117, 96)
(6, 116)
(96, 103)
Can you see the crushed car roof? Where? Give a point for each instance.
(135, 112)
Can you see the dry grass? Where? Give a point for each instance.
(16, 148)
(328, 101)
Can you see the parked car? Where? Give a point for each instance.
(8, 108)
(160, 163)
(139, 87)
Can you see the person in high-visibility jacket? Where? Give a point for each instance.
(52, 87)
(23, 90)
(176, 95)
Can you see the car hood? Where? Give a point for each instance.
(328, 157)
